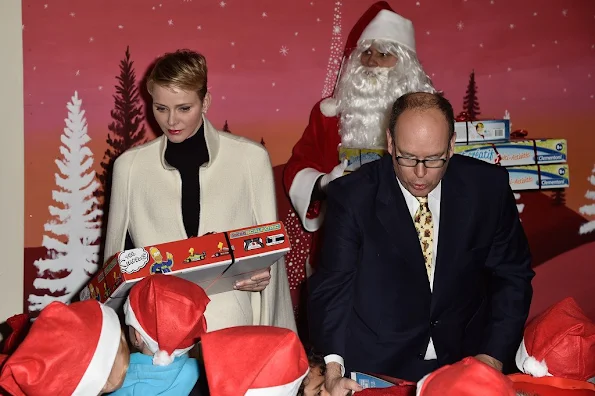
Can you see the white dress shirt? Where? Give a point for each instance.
(413, 205)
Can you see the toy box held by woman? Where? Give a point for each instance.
(213, 261)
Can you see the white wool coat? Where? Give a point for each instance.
(236, 190)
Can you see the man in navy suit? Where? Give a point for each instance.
(424, 259)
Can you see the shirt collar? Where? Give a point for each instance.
(434, 195)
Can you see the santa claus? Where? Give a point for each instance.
(379, 65)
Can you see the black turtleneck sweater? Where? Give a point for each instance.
(187, 157)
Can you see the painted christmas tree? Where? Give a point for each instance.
(226, 127)
(588, 210)
(72, 233)
(334, 61)
(127, 128)
(470, 103)
(559, 197)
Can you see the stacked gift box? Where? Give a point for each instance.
(532, 164)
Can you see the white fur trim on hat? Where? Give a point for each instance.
(103, 359)
(281, 390)
(528, 364)
(329, 106)
(390, 26)
(420, 384)
(160, 357)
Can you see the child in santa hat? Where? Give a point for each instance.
(557, 354)
(313, 384)
(77, 349)
(165, 318)
(468, 377)
(253, 361)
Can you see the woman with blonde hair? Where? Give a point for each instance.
(193, 180)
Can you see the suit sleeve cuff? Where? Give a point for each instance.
(336, 359)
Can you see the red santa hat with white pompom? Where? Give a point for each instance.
(167, 311)
(560, 342)
(254, 361)
(379, 22)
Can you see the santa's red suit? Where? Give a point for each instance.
(316, 153)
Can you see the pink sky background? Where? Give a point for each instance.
(533, 58)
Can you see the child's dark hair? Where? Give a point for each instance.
(315, 360)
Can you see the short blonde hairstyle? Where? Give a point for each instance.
(184, 69)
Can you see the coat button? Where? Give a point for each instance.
(434, 323)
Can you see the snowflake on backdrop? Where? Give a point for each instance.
(264, 15)
(222, 4)
(284, 51)
(565, 12)
(460, 25)
(170, 22)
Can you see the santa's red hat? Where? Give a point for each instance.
(559, 342)
(379, 22)
(70, 350)
(469, 377)
(168, 312)
(254, 361)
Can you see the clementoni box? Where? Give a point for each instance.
(357, 157)
(539, 177)
(482, 131)
(213, 261)
(518, 152)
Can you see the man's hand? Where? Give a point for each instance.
(257, 282)
(332, 175)
(336, 384)
(490, 361)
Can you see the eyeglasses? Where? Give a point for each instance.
(428, 163)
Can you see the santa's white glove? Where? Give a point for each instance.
(334, 174)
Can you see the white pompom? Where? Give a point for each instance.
(535, 368)
(329, 106)
(162, 358)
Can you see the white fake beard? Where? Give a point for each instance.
(364, 106)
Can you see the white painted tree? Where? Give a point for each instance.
(589, 209)
(336, 56)
(74, 230)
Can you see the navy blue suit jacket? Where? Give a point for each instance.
(370, 299)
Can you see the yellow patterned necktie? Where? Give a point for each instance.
(425, 231)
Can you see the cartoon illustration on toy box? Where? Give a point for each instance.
(117, 279)
(106, 291)
(160, 266)
(253, 243)
(222, 250)
(275, 239)
(95, 292)
(192, 257)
